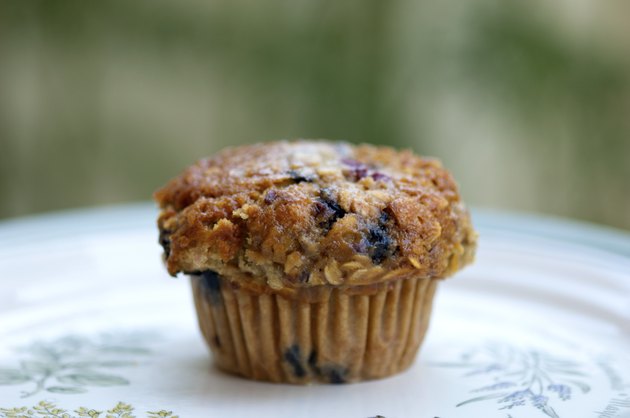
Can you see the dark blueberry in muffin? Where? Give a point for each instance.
(294, 358)
(212, 285)
(270, 197)
(165, 241)
(299, 176)
(356, 171)
(332, 373)
(379, 176)
(327, 210)
(380, 244)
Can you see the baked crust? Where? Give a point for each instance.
(300, 214)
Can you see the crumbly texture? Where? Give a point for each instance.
(302, 214)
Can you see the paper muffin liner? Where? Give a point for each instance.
(344, 337)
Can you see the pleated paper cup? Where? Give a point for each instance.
(342, 335)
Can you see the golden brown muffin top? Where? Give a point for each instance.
(306, 213)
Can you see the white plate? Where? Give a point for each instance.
(538, 327)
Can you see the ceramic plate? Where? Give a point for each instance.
(91, 326)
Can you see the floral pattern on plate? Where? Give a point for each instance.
(521, 377)
(46, 409)
(71, 364)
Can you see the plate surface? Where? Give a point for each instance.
(90, 322)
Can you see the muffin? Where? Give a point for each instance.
(314, 261)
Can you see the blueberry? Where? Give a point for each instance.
(336, 375)
(312, 360)
(299, 176)
(351, 162)
(211, 283)
(303, 276)
(165, 241)
(293, 356)
(379, 176)
(380, 244)
(327, 210)
(270, 197)
(333, 373)
(358, 173)
(357, 169)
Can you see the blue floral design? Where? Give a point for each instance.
(564, 391)
(520, 377)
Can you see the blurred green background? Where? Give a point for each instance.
(528, 103)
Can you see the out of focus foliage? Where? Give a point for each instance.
(527, 103)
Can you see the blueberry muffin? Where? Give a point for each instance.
(314, 261)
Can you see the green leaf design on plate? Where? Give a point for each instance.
(13, 377)
(96, 364)
(76, 362)
(126, 350)
(46, 409)
(161, 414)
(34, 367)
(93, 379)
(86, 412)
(114, 364)
(121, 410)
(66, 389)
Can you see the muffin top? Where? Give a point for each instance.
(296, 214)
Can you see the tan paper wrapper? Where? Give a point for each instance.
(344, 338)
